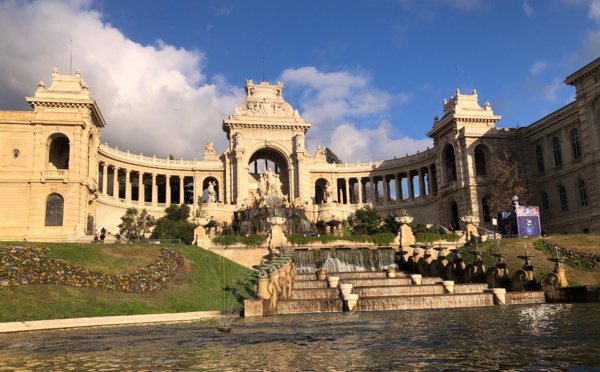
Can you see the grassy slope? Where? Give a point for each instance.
(198, 287)
(516, 247)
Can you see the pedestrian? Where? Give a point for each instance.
(451, 227)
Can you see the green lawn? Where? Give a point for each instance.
(515, 247)
(205, 282)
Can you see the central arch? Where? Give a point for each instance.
(271, 159)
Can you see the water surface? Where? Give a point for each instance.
(547, 337)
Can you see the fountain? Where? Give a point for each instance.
(269, 201)
(475, 272)
(441, 261)
(556, 279)
(497, 277)
(524, 278)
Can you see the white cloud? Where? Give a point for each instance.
(550, 91)
(527, 8)
(592, 42)
(352, 144)
(538, 68)
(348, 115)
(467, 5)
(154, 98)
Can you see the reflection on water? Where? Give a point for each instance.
(532, 337)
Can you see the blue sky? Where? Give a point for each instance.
(369, 75)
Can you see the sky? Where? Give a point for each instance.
(370, 75)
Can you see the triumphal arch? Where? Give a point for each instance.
(59, 182)
(266, 138)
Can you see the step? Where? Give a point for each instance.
(315, 293)
(398, 290)
(470, 287)
(371, 282)
(360, 275)
(441, 301)
(301, 284)
(526, 297)
(305, 277)
(307, 306)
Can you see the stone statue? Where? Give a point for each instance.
(211, 192)
(262, 186)
(208, 147)
(320, 150)
(273, 184)
(328, 193)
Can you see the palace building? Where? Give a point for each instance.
(59, 183)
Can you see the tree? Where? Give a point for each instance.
(331, 157)
(175, 224)
(507, 181)
(366, 221)
(135, 223)
(390, 224)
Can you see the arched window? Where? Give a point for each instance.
(576, 144)
(539, 155)
(480, 165)
(562, 193)
(58, 153)
(557, 152)
(545, 201)
(450, 164)
(54, 210)
(583, 194)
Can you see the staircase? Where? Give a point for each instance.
(378, 292)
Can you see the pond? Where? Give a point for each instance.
(517, 338)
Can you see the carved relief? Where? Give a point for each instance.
(264, 100)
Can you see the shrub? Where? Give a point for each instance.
(384, 238)
(255, 240)
(227, 240)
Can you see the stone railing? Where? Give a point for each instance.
(105, 149)
(408, 160)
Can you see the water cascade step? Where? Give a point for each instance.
(376, 291)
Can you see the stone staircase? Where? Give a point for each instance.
(378, 292)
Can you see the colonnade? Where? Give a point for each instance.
(151, 189)
(388, 188)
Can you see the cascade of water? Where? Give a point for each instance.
(254, 220)
(344, 260)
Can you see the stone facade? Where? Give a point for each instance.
(58, 182)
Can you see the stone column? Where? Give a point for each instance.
(292, 190)
(141, 188)
(181, 196)
(386, 190)
(115, 182)
(241, 178)
(360, 191)
(128, 185)
(196, 194)
(398, 190)
(105, 178)
(421, 184)
(348, 201)
(154, 190)
(373, 190)
(168, 189)
(411, 186)
(220, 192)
